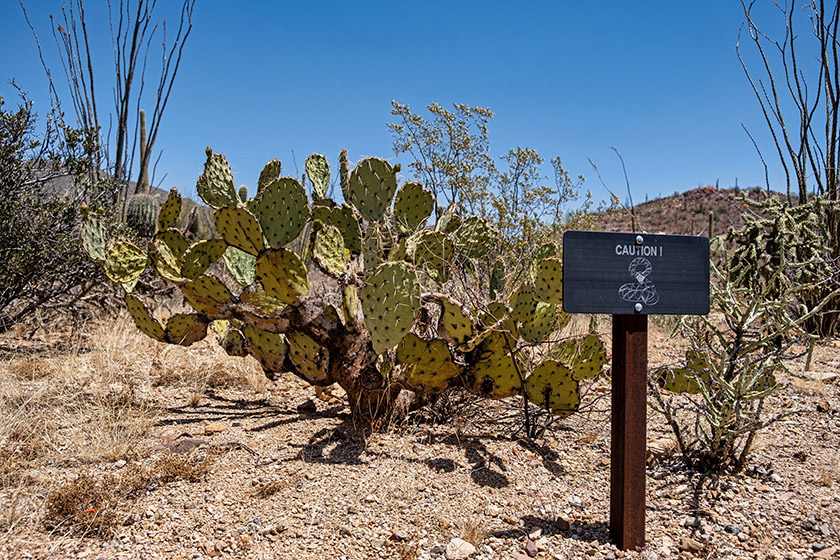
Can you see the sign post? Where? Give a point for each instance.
(631, 276)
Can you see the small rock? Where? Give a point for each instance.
(437, 550)
(307, 406)
(210, 549)
(821, 376)
(494, 511)
(826, 553)
(459, 549)
(214, 428)
(519, 556)
(400, 535)
(825, 530)
(561, 524)
(531, 548)
(824, 406)
(690, 545)
(119, 464)
(377, 543)
(369, 499)
(610, 556)
(776, 478)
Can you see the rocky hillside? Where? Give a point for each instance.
(687, 213)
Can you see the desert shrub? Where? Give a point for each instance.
(42, 188)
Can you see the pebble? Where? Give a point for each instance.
(690, 545)
(531, 548)
(459, 549)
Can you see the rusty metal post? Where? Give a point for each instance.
(629, 431)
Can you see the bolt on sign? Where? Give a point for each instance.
(631, 276)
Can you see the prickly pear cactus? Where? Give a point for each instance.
(361, 293)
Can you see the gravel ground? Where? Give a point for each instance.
(281, 473)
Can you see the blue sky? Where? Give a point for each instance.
(657, 80)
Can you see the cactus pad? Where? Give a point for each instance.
(548, 280)
(345, 220)
(497, 279)
(318, 171)
(215, 185)
(206, 294)
(371, 187)
(454, 321)
(432, 251)
(523, 305)
(412, 206)
(239, 228)
(476, 236)
(165, 261)
(552, 387)
(329, 250)
(311, 359)
(255, 298)
(200, 255)
(240, 265)
(93, 237)
(282, 275)
(268, 348)
(269, 173)
(185, 329)
(543, 252)
(124, 262)
(390, 298)
(686, 379)
(170, 211)
(233, 342)
(450, 220)
(144, 320)
(544, 322)
(282, 209)
(496, 375)
(428, 363)
(585, 356)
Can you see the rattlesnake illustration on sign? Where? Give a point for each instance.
(642, 290)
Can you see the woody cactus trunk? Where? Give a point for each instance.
(363, 294)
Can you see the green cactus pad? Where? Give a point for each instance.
(93, 237)
(318, 171)
(185, 329)
(144, 320)
(412, 206)
(548, 280)
(200, 255)
(523, 305)
(373, 253)
(345, 220)
(585, 356)
(433, 251)
(428, 364)
(219, 327)
(232, 341)
(450, 221)
(282, 209)
(371, 187)
(240, 265)
(311, 359)
(454, 321)
(552, 387)
(206, 294)
(390, 298)
(686, 379)
(497, 279)
(476, 236)
(544, 251)
(170, 211)
(124, 262)
(329, 250)
(282, 275)
(268, 348)
(239, 228)
(545, 322)
(495, 371)
(255, 298)
(269, 173)
(164, 261)
(215, 186)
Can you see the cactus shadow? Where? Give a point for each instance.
(342, 443)
(222, 409)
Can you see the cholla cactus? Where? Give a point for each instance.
(356, 293)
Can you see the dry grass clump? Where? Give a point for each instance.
(98, 503)
(472, 530)
(30, 367)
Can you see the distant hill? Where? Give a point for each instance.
(684, 214)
